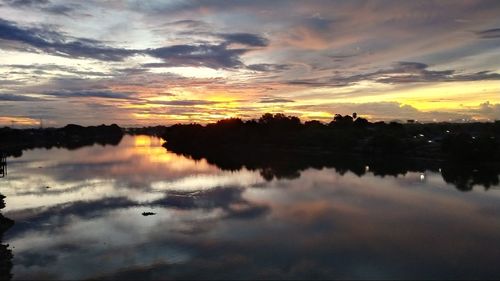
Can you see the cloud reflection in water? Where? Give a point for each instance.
(214, 224)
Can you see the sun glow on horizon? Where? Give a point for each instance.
(321, 59)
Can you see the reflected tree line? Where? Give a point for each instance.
(281, 146)
(287, 164)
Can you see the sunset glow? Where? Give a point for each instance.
(165, 62)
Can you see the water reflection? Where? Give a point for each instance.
(288, 164)
(79, 215)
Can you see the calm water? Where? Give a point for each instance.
(79, 215)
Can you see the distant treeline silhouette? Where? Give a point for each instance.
(14, 141)
(280, 146)
(458, 141)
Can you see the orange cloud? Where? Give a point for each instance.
(18, 121)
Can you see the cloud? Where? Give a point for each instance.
(313, 33)
(59, 10)
(262, 47)
(187, 23)
(56, 43)
(386, 111)
(89, 93)
(398, 73)
(44, 5)
(229, 199)
(224, 198)
(404, 72)
(268, 67)
(11, 97)
(82, 209)
(411, 65)
(207, 55)
(275, 100)
(488, 110)
(245, 39)
(183, 102)
(26, 3)
(489, 33)
(40, 69)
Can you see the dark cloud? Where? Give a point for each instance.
(26, 3)
(324, 82)
(173, 8)
(207, 55)
(11, 97)
(130, 71)
(276, 100)
(46, 68)
(188, 23)
(399, 73)
(44, 5)
(489, 33)
(57, 44)
(265, 67)
(245, 39)
(408, 72)
(342, 57)
(59, 10)
(411, 65)
(94, 94)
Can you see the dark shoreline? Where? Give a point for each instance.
(284, 163)
(14, 141)
(446, 141)
(281, 146)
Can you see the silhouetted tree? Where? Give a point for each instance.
(314, 124)
(361, 122)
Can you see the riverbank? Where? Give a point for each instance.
(444, 141)
(14, 141)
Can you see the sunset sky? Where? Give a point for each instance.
(141, 62)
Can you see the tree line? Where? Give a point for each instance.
(345, 133)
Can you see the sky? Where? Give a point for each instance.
(163, 62)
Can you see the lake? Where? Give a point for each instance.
(138, 211)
